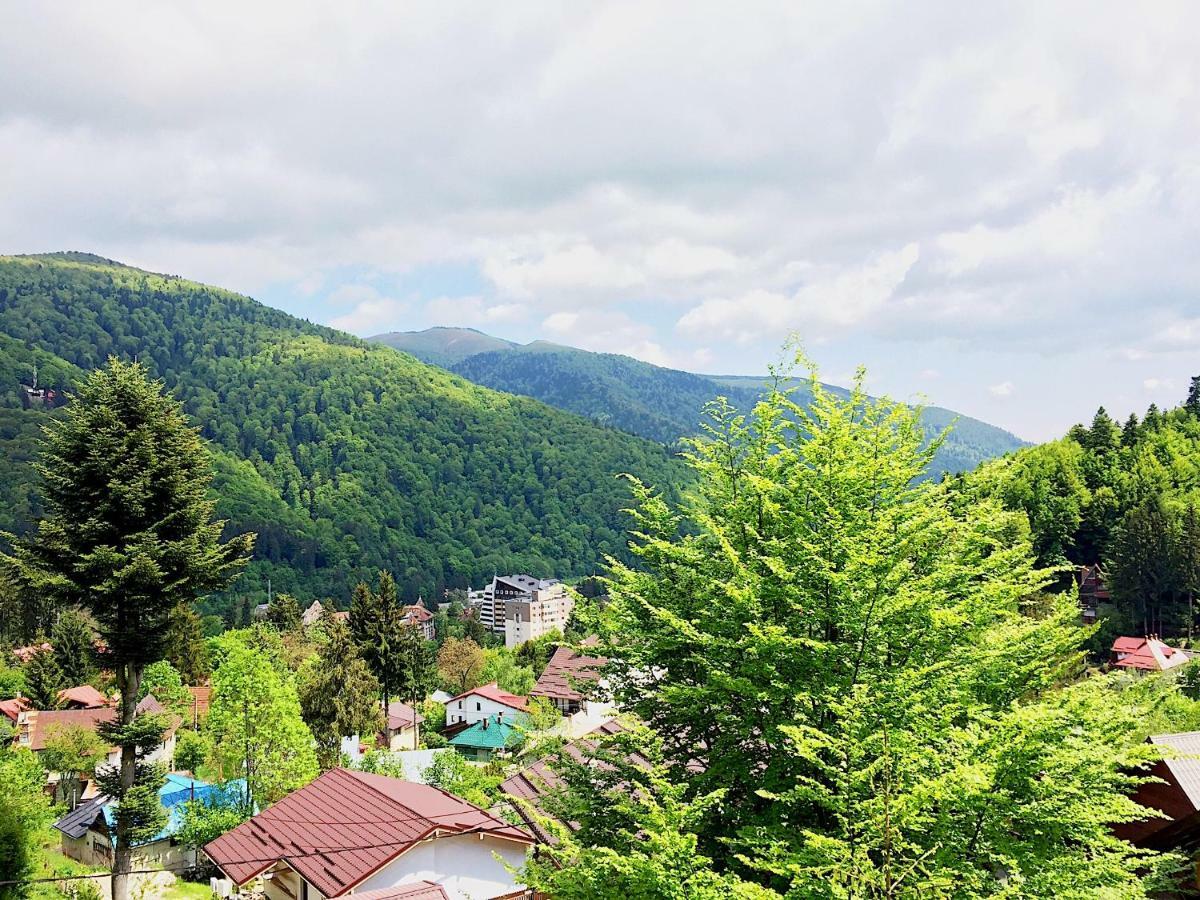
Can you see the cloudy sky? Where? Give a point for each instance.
(996, 206)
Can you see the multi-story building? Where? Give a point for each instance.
(543, 604)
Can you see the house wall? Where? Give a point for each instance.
(462, 864)
(403, 739)
(93, 849)
(473, 708)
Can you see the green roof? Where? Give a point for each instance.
(493, 733)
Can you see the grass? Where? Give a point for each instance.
(186, 890)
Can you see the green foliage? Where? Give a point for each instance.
(536, 653)
(12, 681)
(166, 684)
(847, 656)
(475, 784)
(339, 696)
(284, 612)
(345, 458)
(73, 640)
(434, 714)
(43, 680)
(501, 666)
(192, 750)
(394, 650)
(636, 831)
(256, 725)
(73, 753)
(25, 811)
(206, 820)
(185, 648)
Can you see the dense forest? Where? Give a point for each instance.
(653, 402)
(1124, 496)
(344, 457)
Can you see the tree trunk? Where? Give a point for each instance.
(129, 680)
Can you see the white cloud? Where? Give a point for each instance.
(372, 313)
(1003, 389)
(1157, 384)
(473, 311)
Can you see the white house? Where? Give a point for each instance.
(374, 838)
(481, 703)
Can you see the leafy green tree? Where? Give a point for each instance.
(25, 811)
(186, 649)
(475, 784)
(1104, 434)
(1143, 570)
(206, 820)
(163, 681)
(257, 728)
(835, 644)
(128, 535)
(339, 696)
(12, 681)
(634, 835)
(73, 641)
(43, 680)
(192, 750)
(501, 666)
(73, 752)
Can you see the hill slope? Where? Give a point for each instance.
(443, 346)
(651, 401)
(345, 457)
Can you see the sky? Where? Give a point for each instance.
(995, 207)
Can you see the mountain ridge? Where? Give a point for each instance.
(656, 402)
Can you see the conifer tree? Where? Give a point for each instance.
(128, 534)
(339, 696)
(74, 647)
(1153, 418)
(378, 626)
(1104, 434)
(43, 680)
(1131, 431)
(187, 650)
(1192, 405)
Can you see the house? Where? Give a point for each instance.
(402, 722)
(542, 605)
(531, 785)
(24, 654)
(1177, 794)
(482, 702)
(488, 737)
(89, 831)
(419, 617)
(375, 837)
(83, 697)
(201, 700)
(1092, 591)
(12, 709)
(1147, 654)
(312, 615)
(566, 678)
(35, 727)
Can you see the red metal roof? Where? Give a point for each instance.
(345, 826)
(401, 715)
(417, 890)
(43, 723)
(13, 707)
(201, 699)
(1149, 654)
(83, 697)
(1127, 644)
(492, 692)
(564, 673)
(419, 613)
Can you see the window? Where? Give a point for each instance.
(478, 707)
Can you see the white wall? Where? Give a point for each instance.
(475, 709)
(462, 864)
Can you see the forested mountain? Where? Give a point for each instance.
(647, 400)
(1126, 497)
(443, 346)
(344, 456)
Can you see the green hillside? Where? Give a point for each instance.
(344, 457)
(651, 401)
(443, 346)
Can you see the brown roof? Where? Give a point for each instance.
(83, 697)
(492, 691)
(44, 722)
(533, 783)
(417, 890)
(418, 613)
(401, 715)
(201, 699)
(12, 708)
(345, 826)
(565, 672)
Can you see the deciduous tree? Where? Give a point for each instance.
(339, 696)
(460, 663)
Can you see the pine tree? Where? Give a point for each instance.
(186, 648)
(1152, 421)
(378, 626)
(1192, 405)
(43, 680)
(284, 612)
(1104, 435)
(128, 535)
(74, 647)
(1131, 432)
(1143, 568)
(339, 696)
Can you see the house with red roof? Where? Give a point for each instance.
(11, 709)
(481, 703)
(419, 617)
(566, 679)
(82, 697)
(1146, 654)
(375, 838)
(1174, 793)
(402, 722)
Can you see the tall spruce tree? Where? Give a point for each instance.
(128, 535)
(1192, 404)
(74, 647)
(378, 626)
(43, 680)
(187, 650)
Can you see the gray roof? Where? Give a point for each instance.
(76, 823)
(1185, 765)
